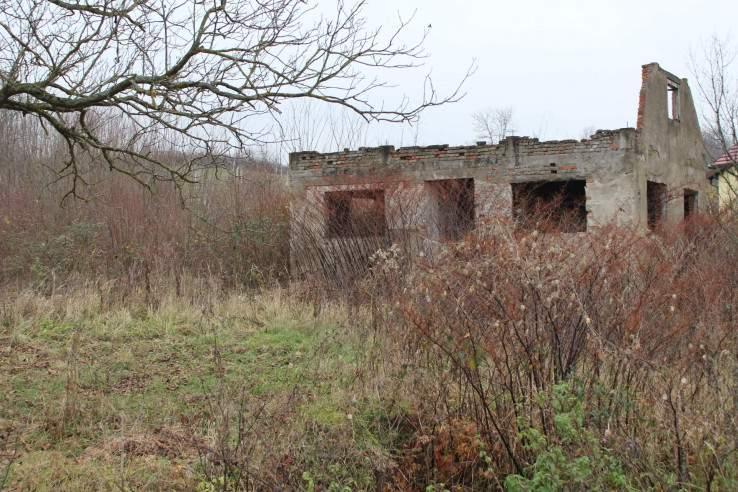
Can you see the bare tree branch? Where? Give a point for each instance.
(206, 70)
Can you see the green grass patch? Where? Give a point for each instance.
(76, 384)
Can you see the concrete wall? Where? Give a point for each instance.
(601, 160)
(616, 164)
(670, 151)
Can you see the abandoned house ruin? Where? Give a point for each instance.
(644, 176)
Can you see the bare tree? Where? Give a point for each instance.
(717, 79)
(310, 125)
(199, 77)
(587, 132)
(714, 144)
(716, 73)
(493, 124)
(303, 126)
(348, 131)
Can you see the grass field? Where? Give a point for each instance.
(506, 363)
(132, 398)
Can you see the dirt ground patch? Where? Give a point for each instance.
(166, 442)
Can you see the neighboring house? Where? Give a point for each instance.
(644, 176)
(725, 177)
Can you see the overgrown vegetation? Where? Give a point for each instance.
(144, 344)
(153, 337)
(513, 360)
(231, 225)
(604, 360)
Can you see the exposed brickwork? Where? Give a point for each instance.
(645, 71)
(614, 166)
(518, 152)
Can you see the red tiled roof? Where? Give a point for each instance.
(728, 159)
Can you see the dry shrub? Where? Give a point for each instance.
(333, 237)
(232, 227)
(640, 327)
(448, 454)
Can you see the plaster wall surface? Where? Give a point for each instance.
(615, 164)
(670, 150)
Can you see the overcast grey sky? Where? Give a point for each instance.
(562, 65)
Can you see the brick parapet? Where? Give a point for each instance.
(513, 151)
